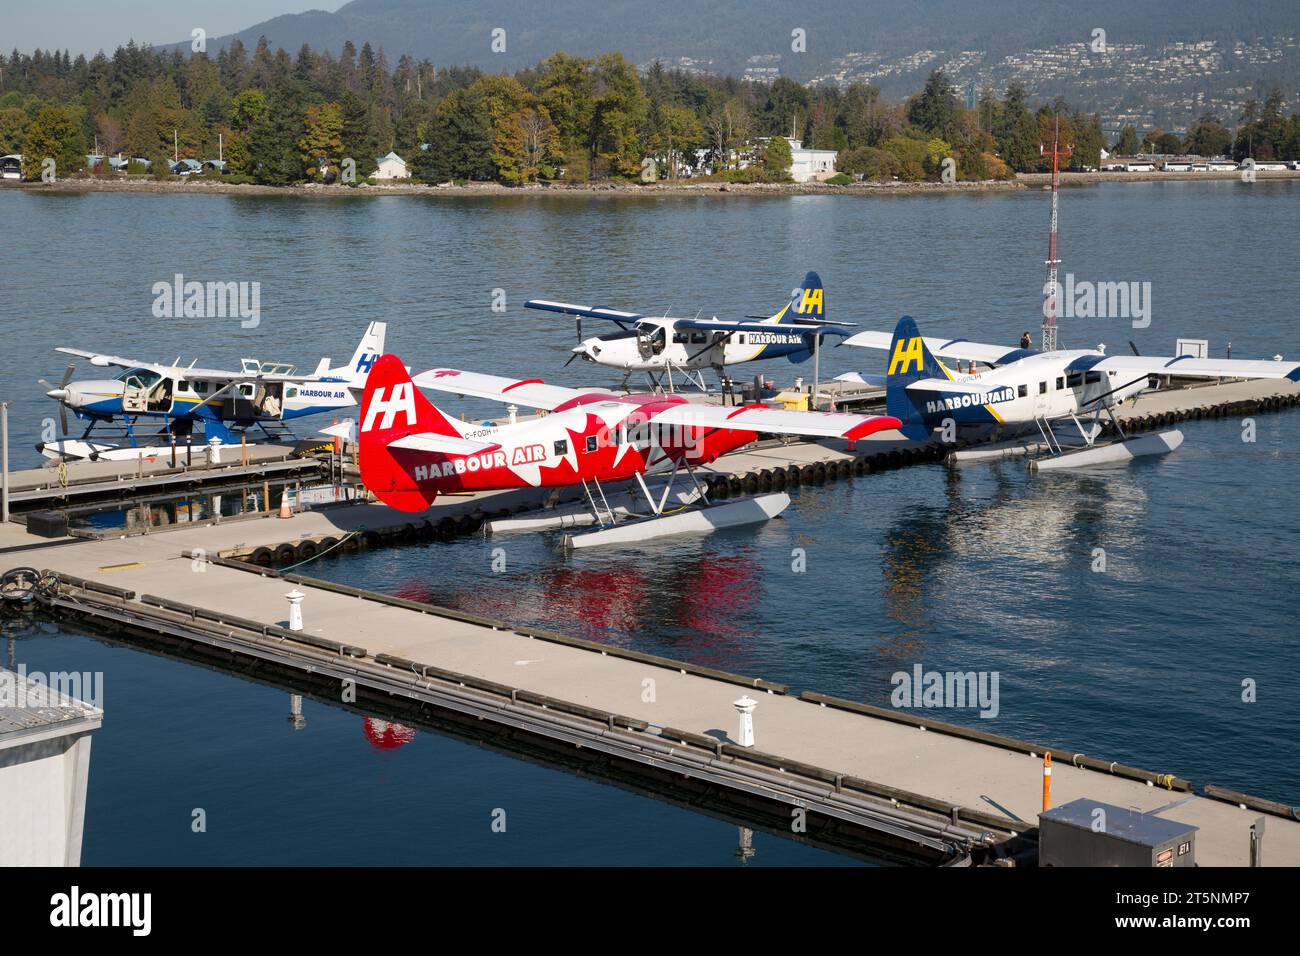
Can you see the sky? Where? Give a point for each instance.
(86, 26)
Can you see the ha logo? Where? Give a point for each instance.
(402, 400)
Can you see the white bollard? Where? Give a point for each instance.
(295, 609)
(514, 413)
(745, 707)
(214, 451)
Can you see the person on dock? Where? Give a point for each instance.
(1026, 341)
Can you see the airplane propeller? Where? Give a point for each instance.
(60, 394)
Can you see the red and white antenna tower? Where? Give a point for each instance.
(1047, 338)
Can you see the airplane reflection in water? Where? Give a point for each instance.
(386, 735)
(703, 609)
(997, 562)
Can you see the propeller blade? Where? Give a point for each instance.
(63, 416)
(571, 358)
(1133, 347)
(67, 374)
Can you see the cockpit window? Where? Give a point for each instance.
(144, 376)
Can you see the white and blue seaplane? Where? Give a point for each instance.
(148, 405)
(1018, 391)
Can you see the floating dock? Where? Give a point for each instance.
(873, 779)
(151, 477)
(899, 780)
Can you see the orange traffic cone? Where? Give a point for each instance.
(285, 510)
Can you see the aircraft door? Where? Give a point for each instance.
(1042, 398)
(160, 397)
(651, 342)
(243, 404)
(135, 396)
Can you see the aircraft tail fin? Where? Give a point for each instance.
(909, 361)
(393, 408)
(808, 301)
(368, 350)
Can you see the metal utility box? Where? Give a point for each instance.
(1090, 833)
(48, 524)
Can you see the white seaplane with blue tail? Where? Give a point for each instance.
(149, 404)
(662, 345)
(1018, 390)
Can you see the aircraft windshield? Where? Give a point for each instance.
(144, 376)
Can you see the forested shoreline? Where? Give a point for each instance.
(280, 119)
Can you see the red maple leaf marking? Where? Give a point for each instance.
(444, 372)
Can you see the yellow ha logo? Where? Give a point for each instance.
(812, 302)
(906, 351)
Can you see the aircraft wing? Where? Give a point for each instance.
(725, 325)
(531, 392)
(1186, 365)
(101, 360)
(945, 348)
(189, 373)
(587, 311)
(776, 421)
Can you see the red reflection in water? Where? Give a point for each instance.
(701, 607)
(384, 735)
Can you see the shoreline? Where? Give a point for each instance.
(620, 189)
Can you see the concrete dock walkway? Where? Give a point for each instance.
(963, 772)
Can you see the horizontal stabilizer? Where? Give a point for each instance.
(947, 385)
(962, 349)
(442, 444)
(863, 378)
(347, 430)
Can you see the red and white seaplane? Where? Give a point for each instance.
(410, 452)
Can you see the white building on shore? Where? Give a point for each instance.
(392, 166)
(810, 164)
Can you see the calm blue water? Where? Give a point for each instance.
(978, 569)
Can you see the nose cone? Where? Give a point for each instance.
(589, 350)
(58, 394)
